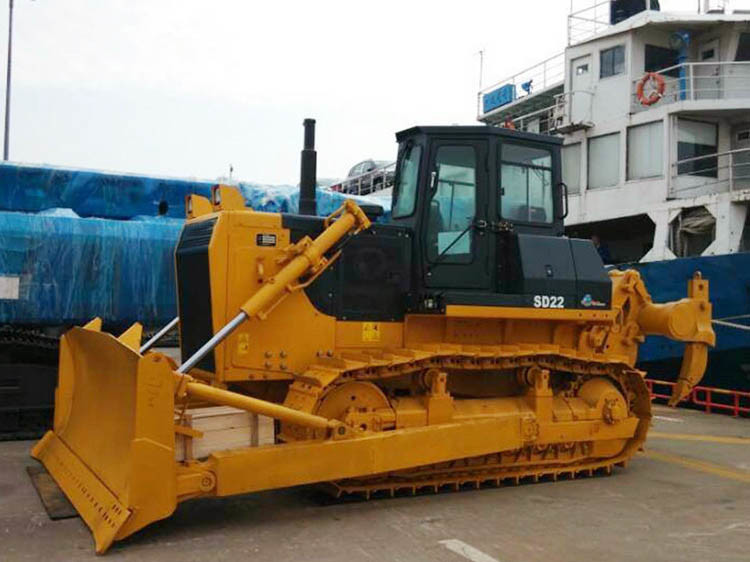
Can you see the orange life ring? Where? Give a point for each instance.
(656, 94)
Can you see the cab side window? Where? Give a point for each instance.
(453, 204)
(408, 181)
(525, 184)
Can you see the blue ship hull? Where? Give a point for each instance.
(729, 278)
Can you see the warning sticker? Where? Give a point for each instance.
(265, 239)
(370, 331)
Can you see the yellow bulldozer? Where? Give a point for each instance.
(465, 341)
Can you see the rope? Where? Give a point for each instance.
(732, 325)
(740, 317)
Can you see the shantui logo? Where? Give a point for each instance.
(589, 301)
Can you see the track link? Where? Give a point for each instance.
(428, 479)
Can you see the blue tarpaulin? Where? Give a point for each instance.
(31, 189)
(80, 244)
(60, 269)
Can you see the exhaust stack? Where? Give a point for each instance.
(307, 179)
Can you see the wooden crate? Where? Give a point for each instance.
(222, 428)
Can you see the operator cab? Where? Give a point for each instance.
(486, 206)
(448, 171)
(477, 221)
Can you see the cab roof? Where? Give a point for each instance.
(474, 131)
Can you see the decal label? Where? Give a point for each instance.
(588, 301)
(549, 301)
(265, 240)
(371, 331)
(9, 287)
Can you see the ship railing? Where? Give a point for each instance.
(720, 172)
(706, 398)
(695, 81)
(572, 110)
(586, 22)
(547, 74)
(538, 121)
(375, 180)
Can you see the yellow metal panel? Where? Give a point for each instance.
(248, 470)
(369, 334)
(274, 347)
(466, 311)
(585, 431)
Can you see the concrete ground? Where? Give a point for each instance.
(684, 499)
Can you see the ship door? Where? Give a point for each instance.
(580, 88)
(455, 241)
(708, 76)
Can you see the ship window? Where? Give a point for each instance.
(406, 190)
(604, 161)
(645, 144)
(697, 142)
(453, 204)
(582, 69)
(659, 58)
(525, 183)
(571, 167)
(743, 48)
(612, 61)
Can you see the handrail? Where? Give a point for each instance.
(727, 169)
(512, 79)
(384, 172)
(703, 396)
(545, 75)
(587, 22)
(714, 155)
(728, 80)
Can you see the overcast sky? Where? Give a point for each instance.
(186, 87)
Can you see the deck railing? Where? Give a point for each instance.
(693, 81)
(369, 182)
(709, 399)
(721, 172)
(546, 74)
(595, 17)
(587, 22)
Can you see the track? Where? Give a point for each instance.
(28, 376)
(472, 473)
(531, 463)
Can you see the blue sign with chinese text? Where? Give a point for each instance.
(496, 98)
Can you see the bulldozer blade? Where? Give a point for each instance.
(132, 336)
(111, 449)
(95, 325)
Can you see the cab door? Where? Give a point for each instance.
(455, 242)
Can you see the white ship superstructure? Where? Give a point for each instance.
(658, 173)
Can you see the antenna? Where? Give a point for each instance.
(481, 80)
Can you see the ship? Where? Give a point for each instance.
(654, 111)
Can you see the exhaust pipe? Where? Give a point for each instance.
(308, 172)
